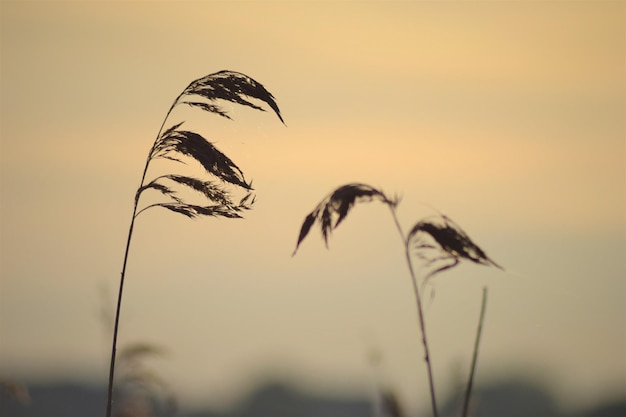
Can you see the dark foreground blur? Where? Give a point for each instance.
(515, 398)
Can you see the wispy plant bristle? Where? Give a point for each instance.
(194, 145)
(439, 239)
(213, 210)
(333, 209)
(211, 108)
(231, 86)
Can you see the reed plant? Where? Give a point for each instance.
(220, 175)
(437, 242)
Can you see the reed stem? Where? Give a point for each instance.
(475, 355)
(109, 409)
(420, 313)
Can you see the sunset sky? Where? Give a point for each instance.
(507, 116)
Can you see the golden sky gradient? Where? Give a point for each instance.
(507, 116)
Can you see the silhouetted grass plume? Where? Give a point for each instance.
(440, 240)
(434, 240)
(177, 144)
(333, 209)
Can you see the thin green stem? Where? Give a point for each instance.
(123, 273)
(420, 313)
(475, 355)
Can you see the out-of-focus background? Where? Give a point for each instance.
(507, 116)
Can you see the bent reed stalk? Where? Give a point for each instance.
(420, 312)
(176, 144)
(123, 273)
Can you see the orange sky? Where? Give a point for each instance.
(509, 117)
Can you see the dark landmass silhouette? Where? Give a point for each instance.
(512, 398)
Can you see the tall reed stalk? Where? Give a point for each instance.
(207, 94)
(437, 241)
